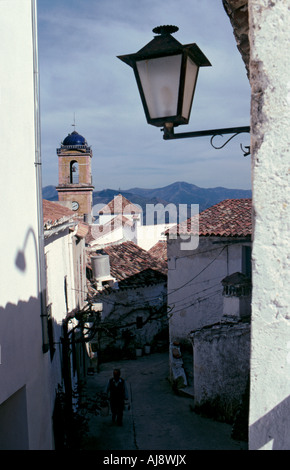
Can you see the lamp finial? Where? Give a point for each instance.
(165, 29)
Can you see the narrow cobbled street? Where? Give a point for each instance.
(158, 418)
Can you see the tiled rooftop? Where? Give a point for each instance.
(127, 259)
(144, 278)
(82, 230)
(54, 213)
(235, 279)
(159, 250)
(120, 205)
(229, 218)
(131, 263)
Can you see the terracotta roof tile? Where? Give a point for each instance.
(144, 278)
(236, 279)
(229, 218)
(159, 250)
(82, 230)
(120, 205)
(55, 213)
(128, 259)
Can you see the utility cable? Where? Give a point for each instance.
(196, 293)
(194, 303)
(198, 274)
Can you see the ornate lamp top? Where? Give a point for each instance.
(165, 29)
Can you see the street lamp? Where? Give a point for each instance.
(166, 73)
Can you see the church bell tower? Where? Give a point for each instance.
(74, 175)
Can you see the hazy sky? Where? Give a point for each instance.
(78, 41)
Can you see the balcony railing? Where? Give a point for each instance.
(73, 147)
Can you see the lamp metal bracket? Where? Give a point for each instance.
(168, 134)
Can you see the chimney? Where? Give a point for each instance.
(237, 296)
(88, 218)
(101, 270)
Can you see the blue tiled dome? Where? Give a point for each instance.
(74, 139)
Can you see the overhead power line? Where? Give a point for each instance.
(198, 274)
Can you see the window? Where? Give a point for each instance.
(247, 261)
(50, 332)
(65, 293)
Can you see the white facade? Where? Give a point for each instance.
(66, 293)
(60, 274)
(149, 235)
(29, 375)
(119, 206)
(194, 282)
(269, 27)
(105, 218)
(113, 232)
(25, 407)
(119, 223)
(120, 229)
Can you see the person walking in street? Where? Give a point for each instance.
(117, 393)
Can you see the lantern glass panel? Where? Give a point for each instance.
(160, 80)
(189, 86)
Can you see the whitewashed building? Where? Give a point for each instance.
(116, 230)
(209, 301)
(65, 260)
(195, 275)
(120, 206)
(120, 220)
(25, 402)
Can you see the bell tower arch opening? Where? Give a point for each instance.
(74, 172)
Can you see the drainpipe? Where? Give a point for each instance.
(38, 170)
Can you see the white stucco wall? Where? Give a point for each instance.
(145, 236)
(221, 367)
(105, 218)
(114, 236)
(23, 366)
(194, 282)
(237, 306)
(80, 280)
(17, 162)
(269, 26)
(117, 233)
(149, 235)
(60, 266)
(65, 266)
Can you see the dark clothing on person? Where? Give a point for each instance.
(117, 393)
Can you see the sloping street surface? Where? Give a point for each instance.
(158, 418)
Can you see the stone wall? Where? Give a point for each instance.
(237, 10)
(83, 196)
(221, 369)
(84, 167)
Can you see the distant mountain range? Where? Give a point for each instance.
(186, 193)
(175, 193)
